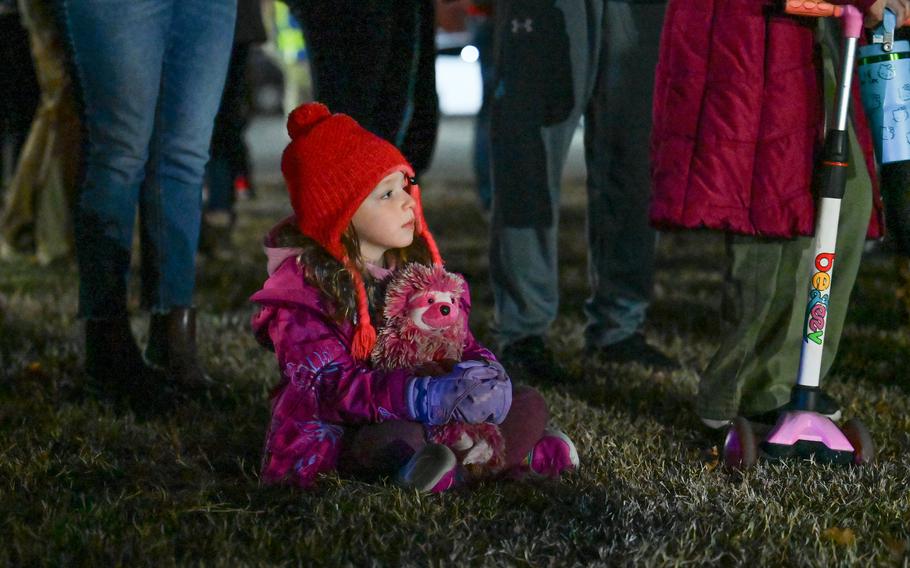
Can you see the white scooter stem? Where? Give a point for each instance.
(832, 184)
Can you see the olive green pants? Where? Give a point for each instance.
(766, 289)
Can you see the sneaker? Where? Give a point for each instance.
(552, 455)
(825, 405)
(716, 424)
(634, 349)
(530, 360)
(431, 469)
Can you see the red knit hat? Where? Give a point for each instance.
(331, 165)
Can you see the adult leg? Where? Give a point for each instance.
(19, 92)
(355, 47)
(482, 38)
(118, 46)
(419, 122)
(194, 68)
(228, 146)
(523, 255)
(617, 131)
(228, 160)
(895, 185)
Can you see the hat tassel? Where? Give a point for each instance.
(364, 332)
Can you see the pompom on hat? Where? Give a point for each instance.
(330, 166)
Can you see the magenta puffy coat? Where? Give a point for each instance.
(738, 117)
(322, 386)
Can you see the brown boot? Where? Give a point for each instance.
(113, 360)
(172, 347)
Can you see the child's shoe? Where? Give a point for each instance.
(431, 469)
(825, 404)
(552, 455)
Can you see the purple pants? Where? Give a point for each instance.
(382, 449)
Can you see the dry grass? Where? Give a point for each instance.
(84, 482)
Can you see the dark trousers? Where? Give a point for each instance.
(19, 93)
(375, 61)
(591, 58)
(230, 157)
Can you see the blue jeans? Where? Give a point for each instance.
(151, 74)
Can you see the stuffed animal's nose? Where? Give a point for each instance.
(440, 314)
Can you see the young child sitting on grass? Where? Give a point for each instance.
(357, 217)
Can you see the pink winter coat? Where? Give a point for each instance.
(738, 117)
(322, 386)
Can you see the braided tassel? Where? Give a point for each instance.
(364, 332)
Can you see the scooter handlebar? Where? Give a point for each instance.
(818, 9)
(813, 8)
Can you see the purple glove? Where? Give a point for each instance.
(490, 400)
(472, 392)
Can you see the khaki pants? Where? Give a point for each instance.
(41, 191)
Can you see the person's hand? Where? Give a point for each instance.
(875, 13)
(472, 392)
(489, 401)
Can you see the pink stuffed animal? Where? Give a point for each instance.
(424, 329)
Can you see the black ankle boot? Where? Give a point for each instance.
(172, 347)
(113, 360)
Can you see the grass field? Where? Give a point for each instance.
(83, 482)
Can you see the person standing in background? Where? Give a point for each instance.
(19, 92)
(557, 62)
(375, 60)
(737, 132)
(38, 206)
(230, 163)
(151, 74)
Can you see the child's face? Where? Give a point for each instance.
(385, 220)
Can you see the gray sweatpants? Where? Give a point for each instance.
(612, 52)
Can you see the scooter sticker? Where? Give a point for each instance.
(817, 309)
(874, 102)
(886, 71)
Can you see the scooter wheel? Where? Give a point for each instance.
(740, 446)
(859, 437)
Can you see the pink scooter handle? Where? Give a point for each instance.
(813, 8)
(853, 20)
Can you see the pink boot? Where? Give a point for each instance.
(552, 455)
